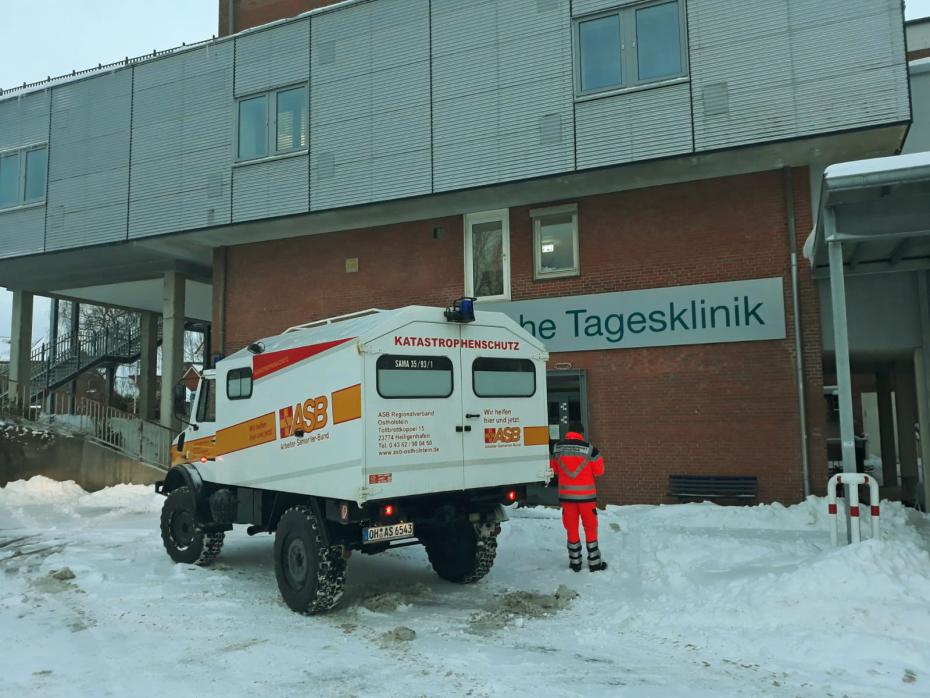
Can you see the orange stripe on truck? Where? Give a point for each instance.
(347, 404)
(254, 432)
(535, 436)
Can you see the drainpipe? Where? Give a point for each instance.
(230, 17)
(796, 312)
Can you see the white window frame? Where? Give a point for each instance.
(271, 123)
(21, 200)
(472, 219)
(537, 215)
(629, 56)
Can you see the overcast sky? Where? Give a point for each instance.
(52, 37)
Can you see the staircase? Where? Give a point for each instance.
(54, 366)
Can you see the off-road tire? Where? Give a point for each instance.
(462, 553)
(311, 576)
(184, 538)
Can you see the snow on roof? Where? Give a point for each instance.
(893, 163)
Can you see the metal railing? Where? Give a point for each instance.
(142, 440)
(54, 365)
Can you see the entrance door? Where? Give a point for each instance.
(567, 402)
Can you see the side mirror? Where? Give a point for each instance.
(181, 442)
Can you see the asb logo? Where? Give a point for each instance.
(308, 416)
(504, 435)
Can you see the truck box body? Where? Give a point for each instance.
(381, 405)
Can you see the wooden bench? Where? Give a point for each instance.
(700, 487)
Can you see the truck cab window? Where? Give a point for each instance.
(414, 376)
(503, 377)
(206, 405)
(239, 384)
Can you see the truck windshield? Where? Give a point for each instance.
(414, 376)
(503, 377)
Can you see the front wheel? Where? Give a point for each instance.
(462, 553)
(311, 576)
(184, 539)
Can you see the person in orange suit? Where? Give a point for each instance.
(576, 464)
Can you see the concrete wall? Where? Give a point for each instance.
(26, 452)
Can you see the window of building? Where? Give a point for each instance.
(36, 169)
(414, 376)
(22, 176)
(239, 384)
(630, 46)
(273, 123)
(487, 255)
(555, 241)
(503, 377)
(9, 179)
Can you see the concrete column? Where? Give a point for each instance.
(885, 388)
(906, 404)
(21, 347)
(172, 345)
(147, 361)
(841, 344)
(922, 364)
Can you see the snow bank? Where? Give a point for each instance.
(69, 498)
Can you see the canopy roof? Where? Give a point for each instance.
(881, 209)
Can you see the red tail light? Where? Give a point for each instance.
(203, 459)
(387, 511)
(512, 496)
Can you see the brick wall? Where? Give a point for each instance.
(252, 13)
(721, 409)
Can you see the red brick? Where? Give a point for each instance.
(716, 409)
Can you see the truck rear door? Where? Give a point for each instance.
(413, 388)
(504, 408)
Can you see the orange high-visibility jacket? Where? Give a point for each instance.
(576, 463)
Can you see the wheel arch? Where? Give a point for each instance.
(184, 476)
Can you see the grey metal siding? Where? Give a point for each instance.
(182, 141)
(502, 91)
(273, 57)
(370, 104)
(764, 70)
(637, 125)
(849, 65)
(22, 231)
(23, 122)
(276, 187)
(88, 173)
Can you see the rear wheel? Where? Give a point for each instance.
(311, 576)
(462, 553)
(184, 538)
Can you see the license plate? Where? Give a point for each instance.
(377, 534)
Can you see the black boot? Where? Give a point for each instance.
(595, 563)
(574, 556)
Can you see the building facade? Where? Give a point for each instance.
(632, 181)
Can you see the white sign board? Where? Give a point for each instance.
(733, 311)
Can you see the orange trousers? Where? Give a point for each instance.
(587, 512)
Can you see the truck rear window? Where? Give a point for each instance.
(414, 376)
(503, 377)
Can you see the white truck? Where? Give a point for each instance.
(363, 433)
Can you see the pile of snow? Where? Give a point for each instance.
(70, 499)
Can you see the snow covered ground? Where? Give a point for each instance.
(700, 600)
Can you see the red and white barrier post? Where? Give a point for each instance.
(851, 481)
